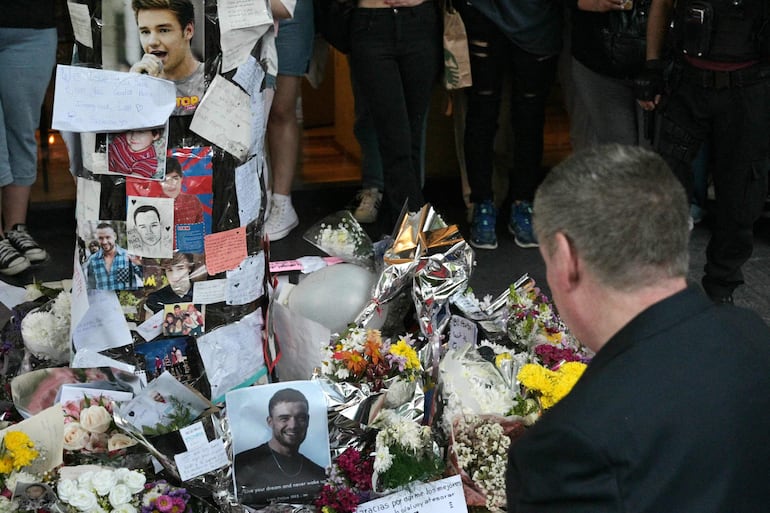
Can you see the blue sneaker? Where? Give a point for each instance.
(483, 234)
(520, 225)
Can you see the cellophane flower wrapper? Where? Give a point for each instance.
(214, 487)
(478, 452)
(362, 374)
(341, 236)
(400, 260)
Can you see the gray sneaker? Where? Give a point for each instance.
(368, 207)
(25, 244)
(11, 261)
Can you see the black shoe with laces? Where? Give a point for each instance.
(25, 244)
(11, 261)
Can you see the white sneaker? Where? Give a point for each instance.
(369, 205)
(282, 218)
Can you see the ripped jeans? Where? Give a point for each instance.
(492, 56)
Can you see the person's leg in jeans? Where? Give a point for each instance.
(372, 182)
(27, 55)
(487, 49)
(395, 58)
(533, 76)
(294, 43)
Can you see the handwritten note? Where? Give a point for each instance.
(201, 460)
(224, 117)
(81, 23)
(225, 250)
(194, 436)
(443, 496)
(79, 299)
(462, 332)
(207, 292)
(103, 326)
(95, 100)
(245, 283)
(88, 194)
(248, 190)
(241, 24)
(232, 355)
(152, 327)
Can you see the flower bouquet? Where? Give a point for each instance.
(104, 490)
(46, 332)
(161, 497)
(532, 319)
(17, 451)
(340, 235)
(361, 374)
(349, 483)
(90, 430)
(405, 452)
(547, 385)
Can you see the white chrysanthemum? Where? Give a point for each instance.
(382, 459)
(8, 506)
(45, 337)
(19, 477)
(62, 307)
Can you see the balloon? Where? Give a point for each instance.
(334, 295)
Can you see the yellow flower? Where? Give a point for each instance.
(404, 350)
(499, 359)
(16, 439)
(18, 451)
(551, 385)
(6, 465)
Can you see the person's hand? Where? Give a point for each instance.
(601, 5)
(648, 85)
(149, 65)
(403, 3)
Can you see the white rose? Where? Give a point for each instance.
(84, 500)
(75, 437)
(84, 479)
(95, 419)
(133, 480)
(120, 494)
(66, 489)
(124, 508)
(119, 441)
(103, 481)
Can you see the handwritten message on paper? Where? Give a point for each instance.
(462, 332)
(81, 23)
(88, 194)
(201, 460)
(194, 436)
(235, 14)
(96, 100)
(443, 496)
(224, 117)
(225, 250)
(210, 291)
(248, 190)
(103, 326)
(245, 282)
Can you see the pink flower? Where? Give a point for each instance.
(178, 505)
(164, 503)
(71, 411)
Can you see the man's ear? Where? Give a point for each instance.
(567, 266)
(189, 31)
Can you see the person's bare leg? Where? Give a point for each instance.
(283, 133)
(15, 202)
(283, 142)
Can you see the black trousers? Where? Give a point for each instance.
(731, 112)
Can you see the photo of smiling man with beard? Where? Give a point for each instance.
(166, 28)
(276, 470)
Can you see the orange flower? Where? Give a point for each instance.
(353, 361)
(372, 350)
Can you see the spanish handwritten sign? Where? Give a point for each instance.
(443, 496)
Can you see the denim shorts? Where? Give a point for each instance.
(28, 55)
(294, 41)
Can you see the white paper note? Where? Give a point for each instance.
(208, 292)
(201, 460)
(224, 117)
(81, 23)
(152, 327)
(462, 332)
(86, 358)
(103, 326)
(88, 194)
(232, 355)
(194, 436)
(11, 296)
(442, 496)
(241, 24)
(248, 190)
(245, 283)
(79, 298)
(95, 100)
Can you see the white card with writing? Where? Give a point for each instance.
(194, 436)
(81, 23)
(201, 460)
(224, 117)
(462, 332)
(442, 496)
(152, 327)
(245, 283)
(208, 292)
